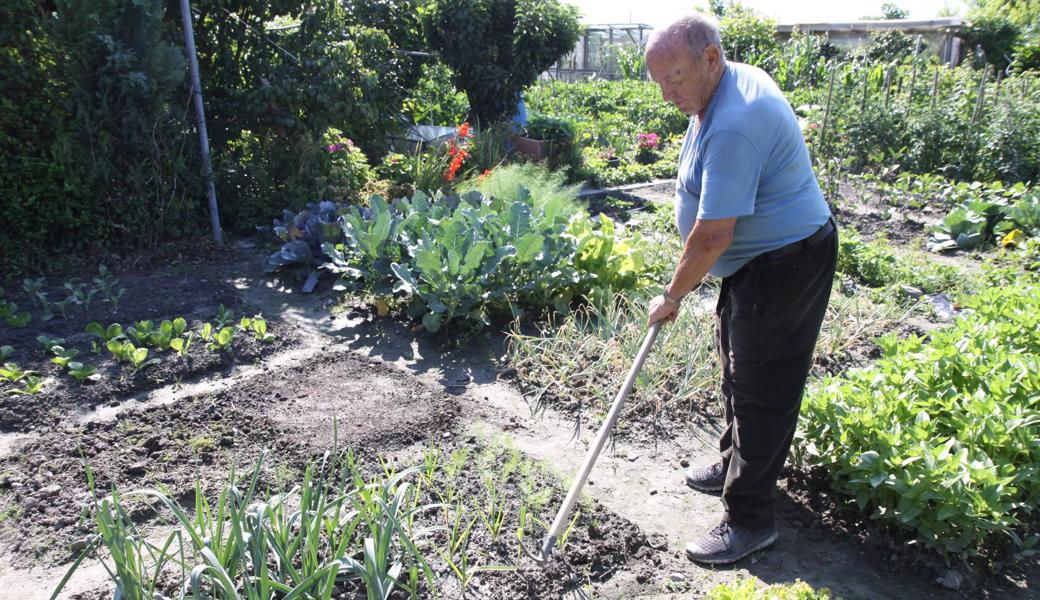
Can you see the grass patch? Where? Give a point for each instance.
(581, 360)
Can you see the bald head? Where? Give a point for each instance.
(689, 35)
(687, 61)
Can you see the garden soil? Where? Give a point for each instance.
(347, 377)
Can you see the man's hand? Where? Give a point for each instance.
(662, 310)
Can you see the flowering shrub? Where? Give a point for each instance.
(647, 141)
(457, 151)
(348, 169)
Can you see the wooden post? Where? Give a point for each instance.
(980, 98)
(827, 113)
(863, 102)
(913, 72)
(888, 81)
(999, 90)
(935, 86)
(200, 114)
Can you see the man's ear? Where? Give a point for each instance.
(712, 56)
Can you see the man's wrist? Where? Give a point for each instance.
(670, 299)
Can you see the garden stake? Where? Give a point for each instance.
(543, 556)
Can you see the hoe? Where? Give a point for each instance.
(543, 555)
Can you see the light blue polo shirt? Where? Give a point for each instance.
(748, 160)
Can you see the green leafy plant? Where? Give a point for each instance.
(936, 438)
(128, 352)
(225, 316)
(113, 332)
(83, 372)
(33, 288)
(749, 589)
(9, 313)
(471, 257)
(182, 344)
(80, 294)
(11, 373)
(6, 352)
(219, 340)
(141, 331)
(105, 283)
(63, 356)
(258, 326)
(48, 342)
(33, 385)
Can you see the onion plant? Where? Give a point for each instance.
(334, 529)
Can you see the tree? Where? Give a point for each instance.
(746, 36)
(1023, 13)
(889, 11)
(499, 47)
(997, 36)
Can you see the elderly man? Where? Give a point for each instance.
(750, 211)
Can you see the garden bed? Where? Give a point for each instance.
(197, 294)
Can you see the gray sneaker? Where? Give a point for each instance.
(708, 478)
(728, 543)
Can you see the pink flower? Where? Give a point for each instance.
(647, 141)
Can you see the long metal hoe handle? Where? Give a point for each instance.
(597, 446)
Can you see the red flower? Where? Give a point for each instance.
(464, 131)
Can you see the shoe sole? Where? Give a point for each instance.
(704, 488)
(729, 560)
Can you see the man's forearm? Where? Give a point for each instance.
(703, 248)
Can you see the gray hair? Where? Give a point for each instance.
(691, 33)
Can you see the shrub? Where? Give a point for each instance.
(996, 35)
(889, 45)
(434, 99)
(1027, 58)
(499, 47)
(746, 37)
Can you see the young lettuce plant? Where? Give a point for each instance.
(259, 328)
(33, 386)
(63, 356)
(11, 373)
(126, 351)
(80, 294)
(220, 340)
(139, 358)
(141, 331)
(82, 372)
(9, 313)
(181, 344)
(105, 283)
(33, 288)
(112, 332)
(48, 342)
(167, 332)
(225, 316)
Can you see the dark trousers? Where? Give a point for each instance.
(767, 320)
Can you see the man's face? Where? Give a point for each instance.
(685, 82)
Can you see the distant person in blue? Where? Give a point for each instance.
(750, 212)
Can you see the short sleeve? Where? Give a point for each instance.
(729, 184)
